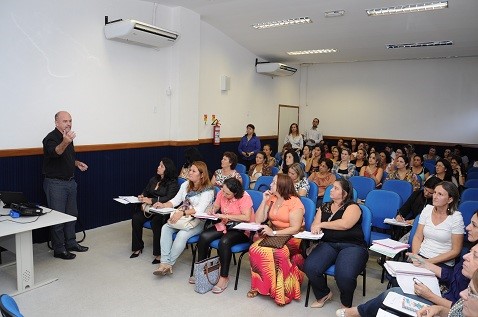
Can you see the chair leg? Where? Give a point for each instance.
(193, 250)
(307, 294)
(238, 271)
(364, 275)
(234, 257)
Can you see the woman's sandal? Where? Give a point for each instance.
(340, 312)
(320, 303)
(252, 293)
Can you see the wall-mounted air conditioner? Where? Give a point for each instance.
(139, 33)
(274, 69)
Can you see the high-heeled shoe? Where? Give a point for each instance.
(136, 254)
(321, 302)
(156, 261)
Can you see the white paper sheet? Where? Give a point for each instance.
(248, 226)
(204, 216)
(131, 199)
(394, 222)
(407, 283)
(308, 235)
(120, 200)
(163, 211)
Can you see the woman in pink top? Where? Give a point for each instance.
(235, 205)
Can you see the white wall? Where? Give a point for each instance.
(252, 98)
(422, 100)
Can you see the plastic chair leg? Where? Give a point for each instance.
(238, 271)
(307, 294)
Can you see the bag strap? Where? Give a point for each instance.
(209, 267)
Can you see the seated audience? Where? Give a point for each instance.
(335, 154)
(373, 169)
(418, 168)
(313, 164)
(249, 146)
(290, 157)
(279, 157)
(458, 151)
(403, 172)
(301, 184)
(431, 155)
(191, 154)
(193, 196)
(340, 143)
(306, 154)
(439, 235)
(294, 137)
(271, 161)
(459, 171)
(323, 178)
(360, 159)
(227, 170)
(234, 205)
(386, 161)
(326, 150)
(353, 148)
(161, 188)
(276, 272)
(343, 244)
(444, 171)
(344, 168)
(417, 201)
(261, 168)
(447, 154)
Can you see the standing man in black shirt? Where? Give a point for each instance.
(60, 185)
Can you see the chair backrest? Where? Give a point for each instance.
(469, 194)
(472, 175)
(241, 168)
(384, 176)
(471, 183)
(366, 224)
(246, 181)
(403, 188)
(313, 192)
(467, 210)
(274, 170)
(327, 199)
(216, 190)
(383, 204)
(256, 198)
(263, 183)
(430, 165)
(472, 169)
(181, 180)
(310, 211)
(9, 307)
(412, 231)
(363, 185)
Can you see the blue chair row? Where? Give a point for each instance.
(9, 307)
(472, 175)
(469, 194)
(471, 183)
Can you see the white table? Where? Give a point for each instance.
(17, 237)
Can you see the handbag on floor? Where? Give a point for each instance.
(207, 274)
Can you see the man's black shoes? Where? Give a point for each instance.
(78, 248)
(65, 255)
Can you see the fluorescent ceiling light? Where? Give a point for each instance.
(422, 44)
(273, 24)
(334, 14)
(408, 8)
(323, 51)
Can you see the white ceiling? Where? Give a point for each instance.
(357, 36)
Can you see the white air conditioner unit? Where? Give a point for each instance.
(275, 69)
(139, 33)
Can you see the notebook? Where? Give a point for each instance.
(12, 197)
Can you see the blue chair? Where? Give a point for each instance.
(310, 211)
(467, 209)
(313, 192)
(241, 248)
(217, 189)
(275, 170)
(327, 194)
(471, 183)
(472, 169)
(384, 176)
(430, 165)
(403, 188)
(181, 180)
(9, 307)
(241, 168)
(469, 194)
(246, 181)
(367, 229)
(363, 185)
(383, 204)
(472, 175)
(263, 183)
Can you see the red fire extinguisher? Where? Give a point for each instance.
(216, 134)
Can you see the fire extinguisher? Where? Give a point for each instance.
(216, 134)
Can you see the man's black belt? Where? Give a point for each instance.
(62, 178)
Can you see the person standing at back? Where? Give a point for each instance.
(60, 186)
(313, 136)
(249, 146)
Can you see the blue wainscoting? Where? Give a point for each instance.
(110, 173)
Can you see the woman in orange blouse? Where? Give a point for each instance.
(323, 178)
(276, 272)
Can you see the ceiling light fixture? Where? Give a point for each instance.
(408, 8)
(334, 14)
(422, 44)
(273, 24)
(322, 51)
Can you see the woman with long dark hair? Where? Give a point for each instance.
(249, 146)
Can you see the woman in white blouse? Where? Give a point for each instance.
(294, 137)
(301, 184)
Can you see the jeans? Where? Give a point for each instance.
(231, 238)
(137, 221)
(171, 250)
(61, 196)
(371, 307)
(349, 259)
